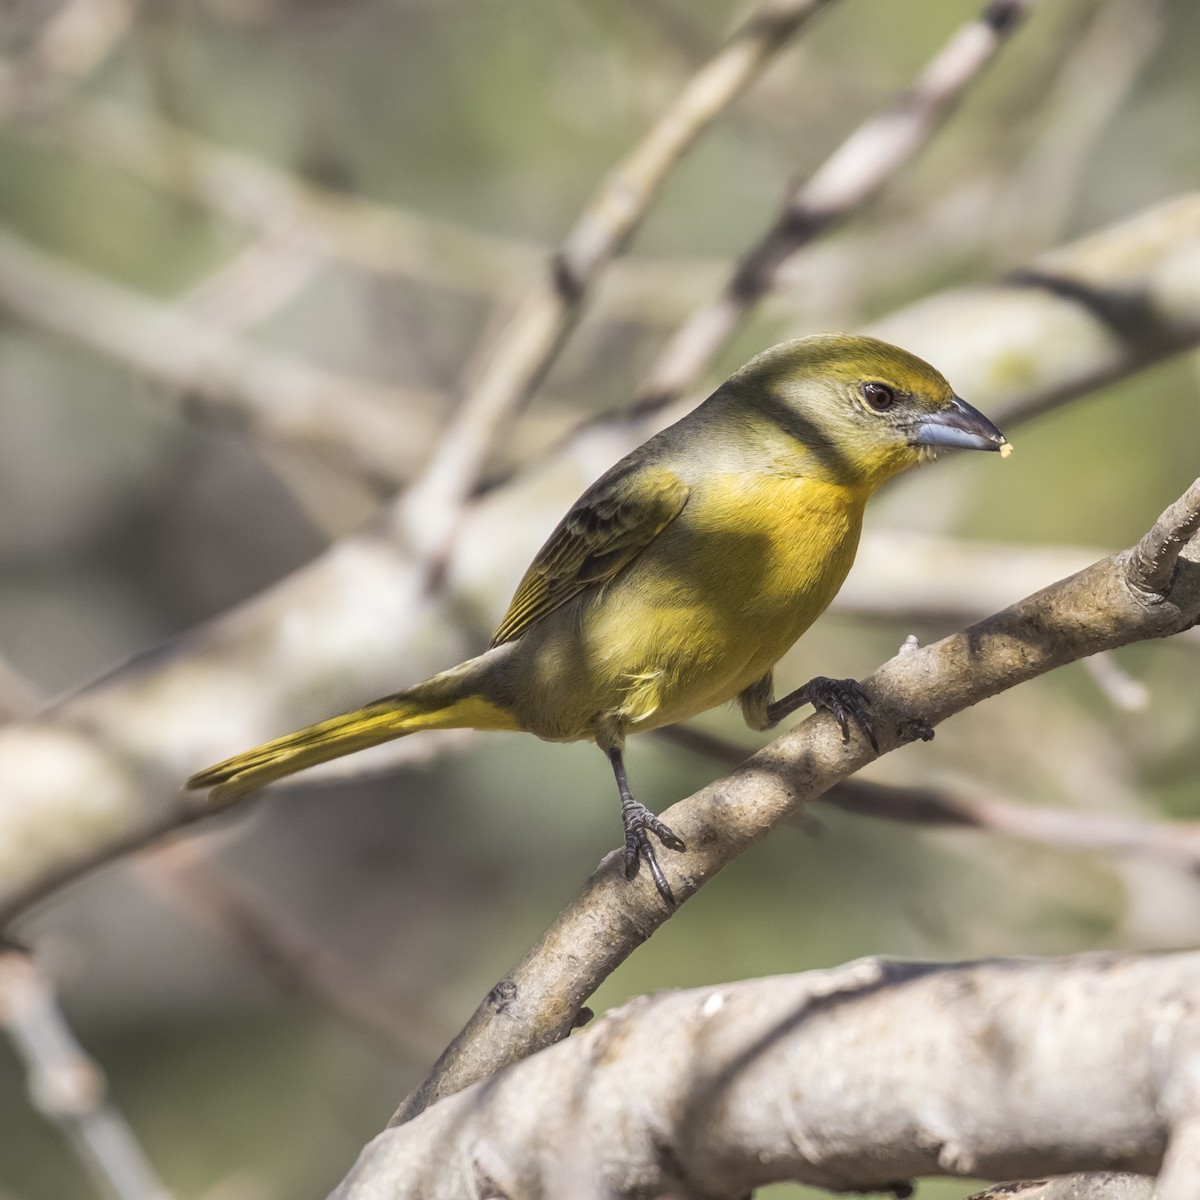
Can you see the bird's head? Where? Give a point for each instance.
(856, 409)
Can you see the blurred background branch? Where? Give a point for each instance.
(854, 174)
(379, 431)
(67, 1086)
(70, 46)
(251, 191)
(514, 359)
(1173, 842)
(297, 961)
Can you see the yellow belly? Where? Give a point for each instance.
(708, 608)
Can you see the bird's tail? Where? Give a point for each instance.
(454, 699)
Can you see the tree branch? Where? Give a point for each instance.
(1083, 316)
(1155, 558)
(1104, 606)
(521, 351)
(1107, 1185)
(288, 953)
(387, 240)
(1076, 319)
(860, 1078)
(1039, 194)
(376, 429)
(251, 191)
(70, 47)
(68, 1087)
(1174, 842)
(854, 174)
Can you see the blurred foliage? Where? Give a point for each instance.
(126, 516)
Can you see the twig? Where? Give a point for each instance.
(1102, 607)
(1091, 87)
(376, 430)
(857, 1079)
(1174, 842)
(256, 283)
(71, 45)
(385, 240)
(854, 174)
(68, 1087)
(1155, 558)
(295, 960)
(249, 190)
(1122, 689)
(18, 696)
(521, 351)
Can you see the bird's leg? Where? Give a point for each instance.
(844, 698)
(640, 823)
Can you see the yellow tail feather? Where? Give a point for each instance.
(306, 747)
(446, 701)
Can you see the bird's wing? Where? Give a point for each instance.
(607, 527)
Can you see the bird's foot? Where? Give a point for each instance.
(846, 701)
(639, 824)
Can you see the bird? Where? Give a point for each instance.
(679, 578)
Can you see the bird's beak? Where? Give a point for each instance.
(961, 426)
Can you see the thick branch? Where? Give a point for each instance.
(1101, 607)
(859, 1078)
(1104, 1185)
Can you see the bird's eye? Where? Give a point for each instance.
(879, 396)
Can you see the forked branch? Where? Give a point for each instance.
(859, 1078)
(1111, 603)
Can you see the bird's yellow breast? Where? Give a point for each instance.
(704, 611)
(783, 548)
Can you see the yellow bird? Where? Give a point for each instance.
(683, 574)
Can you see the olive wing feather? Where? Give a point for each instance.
(606, 528)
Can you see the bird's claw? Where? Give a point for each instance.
(844, 699)
(640, 823)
